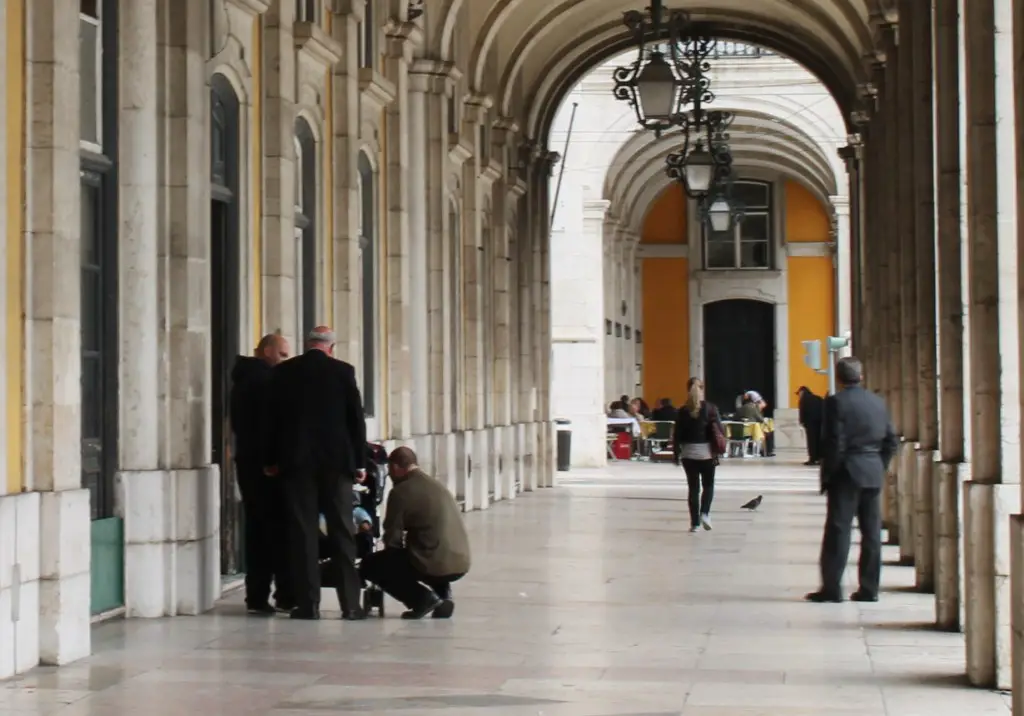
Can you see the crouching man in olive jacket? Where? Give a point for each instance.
(426, 546)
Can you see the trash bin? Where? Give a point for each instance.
(564, 444)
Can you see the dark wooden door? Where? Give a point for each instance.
(739, 351)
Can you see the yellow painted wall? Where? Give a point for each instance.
(665, 305)
(806, 218)
(14, 84)
(256, 192)
(812, 301)
(665, 222)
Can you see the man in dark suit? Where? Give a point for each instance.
(858, 443)
(810, 410)
(665, 412)
(316, 443)
(265, 524)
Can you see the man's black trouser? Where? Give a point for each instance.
(392, 570)
(846, 500)
(266, 546)
(311, 493)
(813, 431)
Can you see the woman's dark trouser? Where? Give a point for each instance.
(700, 478)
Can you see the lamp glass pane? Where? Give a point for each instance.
(656, 89)
(698, 175)
(719, 215)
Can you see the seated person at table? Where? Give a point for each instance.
(426, 546)
(617, 410)
(665, 412)
(749, 411)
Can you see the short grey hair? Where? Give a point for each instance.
(319, 337)
(849, 371)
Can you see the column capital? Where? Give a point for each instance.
(402, 39)
(353, 8)
(595, 209)
(477, 106)
(840, 205)
(429, 76)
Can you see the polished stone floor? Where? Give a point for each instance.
(591, 599)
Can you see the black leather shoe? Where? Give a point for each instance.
(823, 597)
(427, 607)
(861, 596)
(306, 613)
(444, 610)
(262, 610)
(353, 615)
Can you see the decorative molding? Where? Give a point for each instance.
(429, 76)
(808, 249)
(491, 173)
(355, 8)
(460, 152)
(375, 89)
(255, 7)
(311, 39)
(663, 251)
(402, 39)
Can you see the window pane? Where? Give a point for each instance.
(754, 254)
(90, 223)
(92, 307)
(368, 243)
(369, 36)
(755, 227)
(754, 195)
(89, 85)
(721, 254)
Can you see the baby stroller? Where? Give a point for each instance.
(368, 497)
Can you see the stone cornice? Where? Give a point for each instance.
(313, 40)
(402, 39)
(460, 152)
(375, 89)
(517, 187)
(429, 76)
(256, 7)
(801, 249)
(491, 173)
(476, 108)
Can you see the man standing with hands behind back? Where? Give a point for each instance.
(857, 444)
(316, 444)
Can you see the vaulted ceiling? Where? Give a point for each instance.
(527, 54)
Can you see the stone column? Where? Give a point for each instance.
(279, 309)
(402, 39)
(473, 335)
(53, 340)
(430, 78)
(547, 472)
(904, 224)
(527, 320)
(348, 299)
(418, 311)
(844, 255)
(993, 493)
(952, 469)
(504, 135)
(608, 237)
(919, 45)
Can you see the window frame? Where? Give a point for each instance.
(98, 85)
(767, 210)
(369, 259)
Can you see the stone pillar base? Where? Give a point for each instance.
(495, 463)
(905, 490)
(530, 461)
(949, 480)
(446, 461)
(65, 589)
(172, 540)
(789, 434)
(522, 454)
(891, 501)
(924, 522)
(19, 583)
(1017, 613)
(987, 512)
(425, 452)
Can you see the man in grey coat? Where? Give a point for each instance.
(857, 444)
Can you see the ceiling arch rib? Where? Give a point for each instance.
(749, 124)
(747, 130)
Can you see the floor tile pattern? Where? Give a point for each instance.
(591, 599)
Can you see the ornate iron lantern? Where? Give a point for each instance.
(654, 83)
(704, 159)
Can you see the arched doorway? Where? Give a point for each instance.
(225, 286)
(305, 230)
(739, 351)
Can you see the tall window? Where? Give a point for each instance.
(305, 229)
(307, 11)
(368, 245)
(90, 48)
(748, 245)
(368, 38)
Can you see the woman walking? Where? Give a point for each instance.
(698, 441)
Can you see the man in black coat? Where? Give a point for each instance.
(665, 412)
(265, 545)
(810, 410)
(858, 443)
(316, 442)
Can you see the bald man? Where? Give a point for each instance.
(317, 444)
(426, 546)
(262, 498)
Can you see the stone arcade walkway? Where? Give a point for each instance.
(587, 600)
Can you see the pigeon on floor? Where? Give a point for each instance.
(753, 504)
